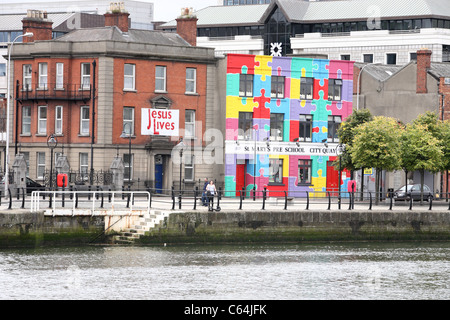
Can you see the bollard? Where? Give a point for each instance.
(410, 202)
(63, 195)
(173, 199)
(150, 197)
(307, 200)
(23, 198)
(101, 204)
(179, 200)
(240, 199)
(430, 199)
(219, 196)
(76, 200)
(109, 195)
(195, 198)
(71, 194)
(329, 201)
(264, 198)
(370, 200)
(390, 200)
(10, 199)
(89, 193)
(285, 200)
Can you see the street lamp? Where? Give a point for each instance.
(8, 97)
(128, 135)
(340, 150)
(359, 75)
(181, 147)
(51, 143)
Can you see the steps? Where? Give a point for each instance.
(144, 224)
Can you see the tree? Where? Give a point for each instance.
(346, 134)
(420, 150)
(376, 145)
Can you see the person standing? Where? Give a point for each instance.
(211, 191)
(204, 196)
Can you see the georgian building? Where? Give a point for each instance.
(91, 85)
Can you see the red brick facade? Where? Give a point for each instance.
(423, 64)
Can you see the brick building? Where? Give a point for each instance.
(91, 85)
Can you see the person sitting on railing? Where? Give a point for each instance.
(211, 191)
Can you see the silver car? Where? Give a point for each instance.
(413, 190)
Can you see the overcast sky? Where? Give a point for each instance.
(165, 10)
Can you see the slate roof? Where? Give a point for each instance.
(133, 35)
(13, 22)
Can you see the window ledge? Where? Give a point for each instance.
(130, 90)
(25, 134)
(41, 134)
(83, 135)
(304, 184)
(276, 184)
(192, 93)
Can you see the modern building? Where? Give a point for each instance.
(380, 31)
(141, 13)
(113, 92)
(282, 116)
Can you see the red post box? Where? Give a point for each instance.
(62, 180)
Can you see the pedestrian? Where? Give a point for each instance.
(204, 196)
(211, 190)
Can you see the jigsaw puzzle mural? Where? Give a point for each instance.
(282, 116)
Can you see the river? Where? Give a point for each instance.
(336, 271)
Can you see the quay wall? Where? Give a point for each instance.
(290, 226)
(25, 229)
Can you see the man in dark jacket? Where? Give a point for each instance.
(204, 196)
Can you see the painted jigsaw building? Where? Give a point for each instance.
(282, 116)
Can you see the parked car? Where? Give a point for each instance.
(413, 190)
(31, 185)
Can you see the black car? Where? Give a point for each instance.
(413, 190)
(31, 185)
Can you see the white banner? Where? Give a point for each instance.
(160, 122)
(280, 148)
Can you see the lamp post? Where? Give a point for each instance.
(129, 136)
(8, 98)
(359, 76)
(340, 150)
(51, 143)
(181, 145)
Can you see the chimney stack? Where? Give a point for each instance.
(423, 64)
(38, 23)
(117, 16)
(187, 26)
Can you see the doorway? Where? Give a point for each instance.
(159, 172)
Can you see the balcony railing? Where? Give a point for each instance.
(51, 91)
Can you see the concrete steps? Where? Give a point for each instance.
(144, 225)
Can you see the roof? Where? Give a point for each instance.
(440, 69)
(317, 11)
(133, 35)
(380, 72)
(227, 15)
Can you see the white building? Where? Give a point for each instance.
(379, 31)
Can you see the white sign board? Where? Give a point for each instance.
(280, 148)
(162, 122)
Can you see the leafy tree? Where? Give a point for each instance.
(376, 145)
(420, 150)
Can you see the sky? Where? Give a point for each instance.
(165, 10)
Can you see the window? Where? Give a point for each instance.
(40, 161)
(304, 171)
(368, 58)
(334, 89)
(345, 57)
(84, 167)
(189, 167)
(276, 171)
(391, 58)
(84, 120)
(189, 124)
(128, 166)
(42, 120)
(246, 85)
(2, 69)
(59, 76)
(412, 56)
(306, 88)
(334, 122)
(85, 76)
(160, 78)
(42, 76)
(276, 126)
(129, 77)
(245, 124)
(26, 73)
(191, 80)
(26, 120)
(58, 119)
(128, 120)
(277, 87)
(305, 127)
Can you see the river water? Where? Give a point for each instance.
(367, 271)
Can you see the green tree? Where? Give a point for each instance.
(421, 150)
(376, 145)
(346, 134)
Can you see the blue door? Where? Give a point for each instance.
(158, 178)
